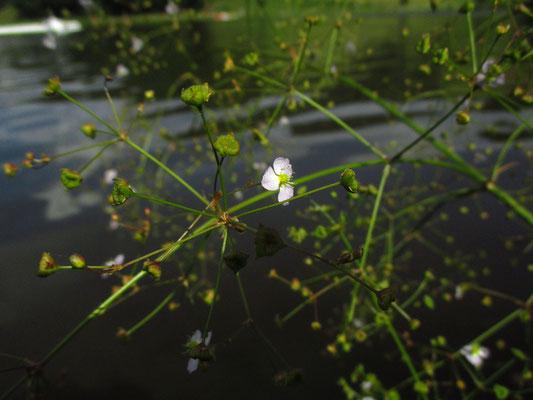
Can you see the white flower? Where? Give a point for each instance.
(136, 44)
(333, 69)
(475, 354)
(459, 292)
(109, 175)
(284, 121)
(119, 259)
(122, 71)
(86, 4)
(49, 41)
(366, 385)
(494, 81)
(367, 398)
(279, 178)
(171, 8)
(350, 46)
(259, 166)
(195, 340)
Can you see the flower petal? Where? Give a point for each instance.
(285, 193)
(196, 336)
(208, 338)
(192, 365)
(282, 165)
(270, 180)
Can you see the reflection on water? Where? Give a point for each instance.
(43, 217)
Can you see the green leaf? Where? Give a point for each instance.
(267, 242)
(519, 354)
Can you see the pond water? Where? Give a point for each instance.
(39, 215)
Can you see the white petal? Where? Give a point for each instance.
(282, 165)
(196, 336)
(285, 193)
(208, 338)
(270, 180)
(483, 352)
(192, 365)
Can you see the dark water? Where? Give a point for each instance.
(39, 215)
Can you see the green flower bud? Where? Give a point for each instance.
(53, 86)
(236, 260)
(123, 335)
(153, 268)
(311, 19)
(385, 298)
(267, 242)
(462, 118)
(201, 352)
(251, 59)
(47, 265)
(349, 181)
(467, 7)
(227, 145)
(148, 94)
(89, 130)
(122, 191)
(70, 179)
(77, 261)
(286, 378)
(441, 56)
(502, 29)
(196, 95)
(424, 44)
(10, 169)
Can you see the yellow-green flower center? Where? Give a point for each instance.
(284, 179)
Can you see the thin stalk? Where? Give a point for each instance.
(115, 114)
(340, 122)
(432, 128)
(331, 48)
(292, 198)
(219, 163)
(405, 356)
(168, 203)
(325, 289)
(503, 152)
(91, 146)
(472, 38)
(96, 156)
(243, 295)
(217, 284)
(301, 54)
(374, 215)
(151, 314)
(166, 169)
(135, 146)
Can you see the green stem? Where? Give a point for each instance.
(96, 156)
(92, 146)
(301, 54)
(472, 38)
(168, 203)
(135, 146)
(151, 314)
(243, 295)
(217, 284)
(340, 122)
(292, 198)
(374, 215)
(219, 163)
(432, 128)
(405, 356)
(331, 48)
(166, 169)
